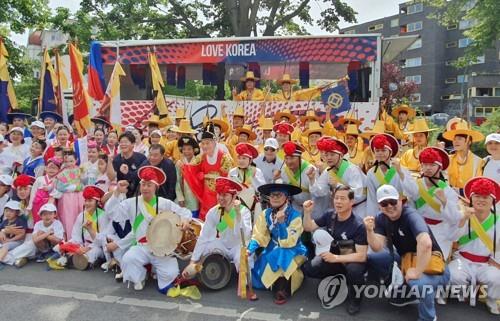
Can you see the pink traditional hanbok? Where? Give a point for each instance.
(68, 191)
(40, 194)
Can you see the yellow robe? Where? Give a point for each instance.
(298, 95)
(357, 156)
(460, 174)
(312, 158)
(409, 161)
(172, 150)
(368, 159)
(257, 95)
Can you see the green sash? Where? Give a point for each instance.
(338, 175)
(140, 218)
(427, 195)
(387, 178)
(294, 178)
(480, 233)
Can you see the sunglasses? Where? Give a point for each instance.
(388, 202)
(269, 149)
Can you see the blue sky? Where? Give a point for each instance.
(367, 10)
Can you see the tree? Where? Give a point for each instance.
(395, 88)
(17, 16)
(154, 19)
(483, 16)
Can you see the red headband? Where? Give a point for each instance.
(23, 180)
(247, 150)
(381, 142)
(292, 149)
(430, 156)
(483, 187)
(285, 129)
(93, 192)
(225, 185)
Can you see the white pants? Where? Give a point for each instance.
(216, 246)
(94, 253)
(117, 254)
(27, 250)
(134, 260)
(463, 271)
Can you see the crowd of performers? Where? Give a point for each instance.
(308, 201)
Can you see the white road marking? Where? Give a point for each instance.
(194, 307)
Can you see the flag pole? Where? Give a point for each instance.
(42, 81)
(59, 89)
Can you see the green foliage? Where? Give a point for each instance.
(484, 33)
(491, 125)
(194, 89)
(27, 90)
(18, 16)
(166, 19)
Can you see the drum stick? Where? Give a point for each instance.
(250, 294)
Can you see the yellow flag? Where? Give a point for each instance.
(158, 84)
(4, 76)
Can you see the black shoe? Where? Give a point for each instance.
(353, 306)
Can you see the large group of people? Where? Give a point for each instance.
(308, 201)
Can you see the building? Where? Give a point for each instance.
(38, 40)
(429, 62)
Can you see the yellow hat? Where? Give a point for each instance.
(351, 129)
(310, 115)
(153, 120)
(378, 128)
(404, 107)
(314, 127)
(350, 117)
(286, 78)
(239, 111)
(166, 121)
(463, 128)
(267, 124)
(249, 75)
(180, 113)
(247, 129)
(184, 127)
(285, 113)
(224, 126)
(420, 126)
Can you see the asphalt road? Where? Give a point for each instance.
(34, 293)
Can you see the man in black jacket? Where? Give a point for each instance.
(156, 158)
(128, 162)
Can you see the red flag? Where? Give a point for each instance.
(81, 101)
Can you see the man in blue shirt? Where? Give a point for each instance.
(402, 227)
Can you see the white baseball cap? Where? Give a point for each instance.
(16, 129)
(494, 137)
(48, 207)
(323, 241)
(387, 192)
(13, 205)
(271, 142)
(6, 180)
(157, 132)
(38, 124)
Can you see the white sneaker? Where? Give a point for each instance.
(119, 276)
(440, 300)
(139, 286)
(493, 306)
(105, 266)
